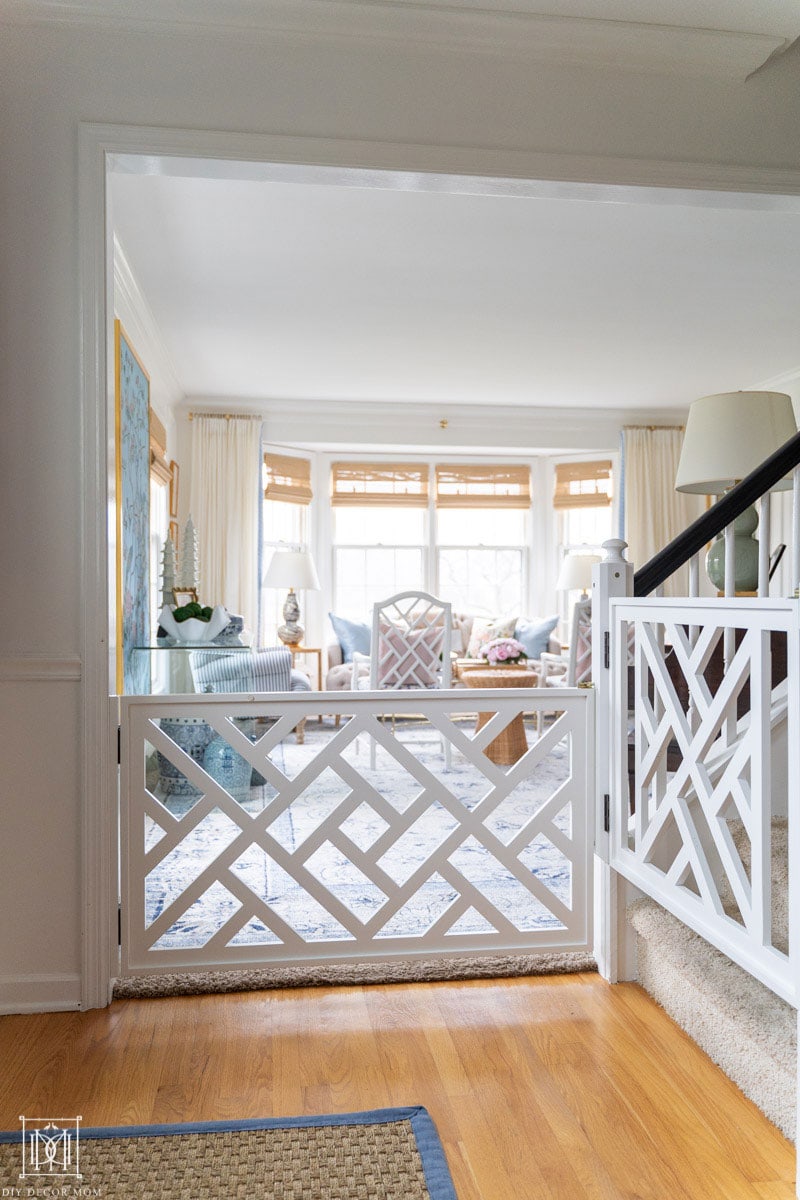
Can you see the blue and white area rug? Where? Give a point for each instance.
(380, 1155)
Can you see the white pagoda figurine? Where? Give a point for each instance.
(188, 566)
(168, 573)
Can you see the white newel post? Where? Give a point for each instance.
(611, 578)
(793, 813)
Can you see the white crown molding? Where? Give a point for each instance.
(785, 381)
(33, 668)
(145, 326)
(636, 46)
(440, 165)
(474, 429)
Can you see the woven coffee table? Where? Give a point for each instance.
(511, 744)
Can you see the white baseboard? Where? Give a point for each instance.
(39, 993)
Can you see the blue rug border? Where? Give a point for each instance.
(434, 1163)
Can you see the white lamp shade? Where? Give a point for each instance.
(576, 572)
(729, 435)
(292, 569)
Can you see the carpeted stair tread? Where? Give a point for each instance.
(713, 973)
(745, 1028)
(779, 876)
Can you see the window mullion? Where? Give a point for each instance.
(431, 561)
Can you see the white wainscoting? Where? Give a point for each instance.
(34, 668)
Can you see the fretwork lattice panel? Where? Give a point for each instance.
(700, 814)
(251, 848)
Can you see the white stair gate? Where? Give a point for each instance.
(242, 847)
(712, 772)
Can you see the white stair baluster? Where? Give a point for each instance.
(764, 512)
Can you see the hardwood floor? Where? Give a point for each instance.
(551, 1088)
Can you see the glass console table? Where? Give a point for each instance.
(170, 667)
(170, 673)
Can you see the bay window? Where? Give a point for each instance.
(468, 546)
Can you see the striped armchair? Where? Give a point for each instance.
(268, 670)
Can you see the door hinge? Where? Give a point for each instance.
(607, 649)
(607, 813)
(119, 745)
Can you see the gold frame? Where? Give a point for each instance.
(174, 532)
(183, 596)
(174, 477)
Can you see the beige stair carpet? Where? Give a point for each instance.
(744, 1027)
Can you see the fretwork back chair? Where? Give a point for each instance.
(411, 640)
(576, 666)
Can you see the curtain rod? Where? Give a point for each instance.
(651, 427)
(228, 416)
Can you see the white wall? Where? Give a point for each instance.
(497, 117)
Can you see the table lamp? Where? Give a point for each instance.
(292, 569)
(727, 436)
(576, 573)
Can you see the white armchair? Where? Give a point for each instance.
(410, 648)
(574, 667)
(411, 637)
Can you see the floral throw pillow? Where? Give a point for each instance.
(486, 631)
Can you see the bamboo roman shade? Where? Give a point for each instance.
(159, 467)
(288, 478)
(480, 486)
(395, 485)
(582, 485)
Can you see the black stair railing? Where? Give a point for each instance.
(716, 518)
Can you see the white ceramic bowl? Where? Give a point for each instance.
(193, 630)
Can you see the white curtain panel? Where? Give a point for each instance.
(225, 497)
(654, 512)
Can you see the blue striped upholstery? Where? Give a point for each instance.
(267, 670)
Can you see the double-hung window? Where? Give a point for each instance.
(481, 541)
(287, 497)
(379, 532)
(582, 501)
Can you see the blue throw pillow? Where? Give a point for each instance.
(351, 635)
(535, 635)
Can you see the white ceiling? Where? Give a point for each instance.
(300, 290)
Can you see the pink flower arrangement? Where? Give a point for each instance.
(503, 650)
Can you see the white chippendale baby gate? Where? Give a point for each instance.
(706, 781)
(245, 843)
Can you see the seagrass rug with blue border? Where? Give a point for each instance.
(386, 1154)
